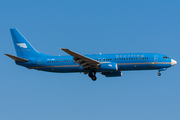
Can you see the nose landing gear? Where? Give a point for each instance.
(162, 69)
(159, 74)
(92, 75)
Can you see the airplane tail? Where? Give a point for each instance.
(23, 48)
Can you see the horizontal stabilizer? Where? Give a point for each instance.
(18, 59)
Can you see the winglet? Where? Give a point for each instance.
(18, 59)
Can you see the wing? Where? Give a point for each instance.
(83, 61)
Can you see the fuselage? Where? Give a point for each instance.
(126, 61)
(110, 65)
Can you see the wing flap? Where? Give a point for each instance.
(18, 59)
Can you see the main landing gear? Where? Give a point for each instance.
(92, 75)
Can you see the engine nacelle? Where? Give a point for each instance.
(108, 67)
(113, 74)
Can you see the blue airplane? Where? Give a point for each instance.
(110, 65)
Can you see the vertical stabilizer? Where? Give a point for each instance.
(23, 48)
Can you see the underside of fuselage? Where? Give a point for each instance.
(120, 68)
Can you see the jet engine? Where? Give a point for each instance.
(112, 74)
(108, 67)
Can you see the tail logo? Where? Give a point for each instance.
(23, 45)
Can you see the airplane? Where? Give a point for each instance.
(110, 65)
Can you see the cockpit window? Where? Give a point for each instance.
(165, 57)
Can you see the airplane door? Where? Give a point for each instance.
(155, 58)
(39, 62)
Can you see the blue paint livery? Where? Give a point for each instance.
(110, 65)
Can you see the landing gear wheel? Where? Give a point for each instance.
(90, 75)
(159, 74)
(94, 78)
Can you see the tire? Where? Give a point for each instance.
(90, 75)
(94, 78)
(159, 74)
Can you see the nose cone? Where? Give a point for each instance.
(173, 62)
